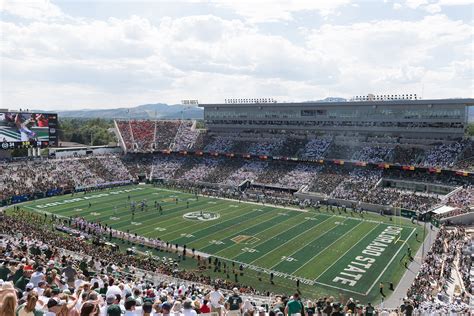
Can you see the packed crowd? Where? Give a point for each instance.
(408, 156)
(186, 136)
(200, 170)
(335, 181)
(165, 133)
(249, 170)
(462, 201)
(299, 176)
(147, 135)
(372, 154)
(55, 175)
(164, 167)
(402, 198)
(327, 180)
(444, 155)
(143, 132)
(429, 288)
(125, 130)
(357, 185)
(315, 148)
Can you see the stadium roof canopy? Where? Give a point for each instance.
(466, 101)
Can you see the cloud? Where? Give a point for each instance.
(280, 10)
(435, 6)
(86, 62)
(30, 9)
(399, 55)
(397, 6)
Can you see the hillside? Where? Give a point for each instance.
(145, 111)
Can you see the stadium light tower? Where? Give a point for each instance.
(187, 105)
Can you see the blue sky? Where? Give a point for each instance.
(100, 54)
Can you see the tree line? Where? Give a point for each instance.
(92, 132)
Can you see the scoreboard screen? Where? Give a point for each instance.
(28, 130)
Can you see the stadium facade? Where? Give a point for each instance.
(443, 119)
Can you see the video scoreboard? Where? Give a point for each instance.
(28, 130)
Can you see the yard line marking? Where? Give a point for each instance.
(175, 214)
(228, 220)
(259, 233)
(326, 247)
(265, 240)
(389, 263)
(292, 239)
(342, 256)
(283, 274)
(214, 208)
(319, 236)
(271, 218)
(339, 288)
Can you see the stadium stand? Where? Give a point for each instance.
(431, 282)
(73, 277)
(143, 132)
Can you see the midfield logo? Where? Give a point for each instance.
(201, 216)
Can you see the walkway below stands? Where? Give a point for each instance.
(396, 299)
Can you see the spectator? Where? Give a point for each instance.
(294, 306)
(234, 302)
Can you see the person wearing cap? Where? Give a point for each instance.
(166, 308)
(294, 306)
(50, 266)
(234, 302)
(29, 287)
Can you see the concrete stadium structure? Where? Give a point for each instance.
(443, 119)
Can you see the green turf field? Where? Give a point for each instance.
(331, 253)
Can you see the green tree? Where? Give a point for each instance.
(86, 131)
(470, 129)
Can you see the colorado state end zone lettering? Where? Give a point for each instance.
(89, 197)
(361, 264)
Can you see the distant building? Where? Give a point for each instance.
(426, 119)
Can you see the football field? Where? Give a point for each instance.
(330, 252)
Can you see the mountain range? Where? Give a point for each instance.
(145, 111)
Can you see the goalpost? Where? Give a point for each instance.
(398, 222)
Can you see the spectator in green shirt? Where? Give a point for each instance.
(294, 306)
